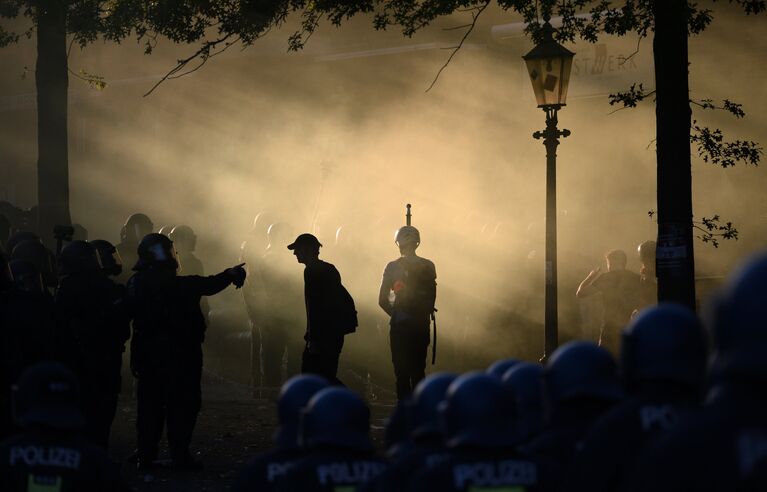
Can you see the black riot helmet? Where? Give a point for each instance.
(79, 257)
(111, 261)
(26, 277)
(19, 237)
(156, 249)
(32, 250)
(136, 227)
(184, 238)
(47, 395)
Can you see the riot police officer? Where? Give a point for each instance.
(525, 381)
(427, 438)
(49, 454)
(480, 432)
(663, 364)
(168, 330)
(411, 282)
(135, 228)
(29, 332)
(111, 261)
(185, 241)
(264, 470)
(581, 384)
(281, 324)
(725, 447)
(335, 434)
(90, 307)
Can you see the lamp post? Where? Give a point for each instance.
(548, 65)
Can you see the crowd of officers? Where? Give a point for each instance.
(677, 410)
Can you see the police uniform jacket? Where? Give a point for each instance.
(331, 470)
(38, 460)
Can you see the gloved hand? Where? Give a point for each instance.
(237, 273)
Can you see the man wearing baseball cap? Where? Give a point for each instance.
(330, 312)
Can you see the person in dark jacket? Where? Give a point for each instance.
(263, 471)
(166, 352)
(49, 454)
(89, 306)
(330, 310)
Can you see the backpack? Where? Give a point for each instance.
(347, 312)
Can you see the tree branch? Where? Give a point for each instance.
(203, 53)
(455, 49)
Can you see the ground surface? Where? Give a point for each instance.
(231, 428)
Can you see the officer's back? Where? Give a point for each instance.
(480, 432)
(335, 432)
(50, 455)
(726, 447)
(663, 361)
(581, 384)
(264, 470)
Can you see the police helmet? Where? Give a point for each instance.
(664, 343)
(525, 381)
(740, 337)
(581, 370)
(79, 257)
(294, 395)
(499, 367)
(44, 260)
(26, 276)
(111, 261)
(478, 411)
(406, 235)
(336, 417)
(136, 227)
(156, 249)
(427, 396)
(47, 394)
(19, 237)
(646, 252)
(184, 238)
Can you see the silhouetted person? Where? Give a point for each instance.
(411, 282)
(90, 307)
(28, 331)
(168, 330)
(50, 454)
(263, 471)
(281, 326)
(335, 432)
(725, 447)
(32, 250)
(480, 435)
(135, 228)
(580, 384)
(185, 241)
(621, 295)
(663, 365)
(330, 313)
(253, 294)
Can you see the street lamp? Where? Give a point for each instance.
(548, 65)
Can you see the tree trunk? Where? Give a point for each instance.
(675, 259)
(52, 82)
